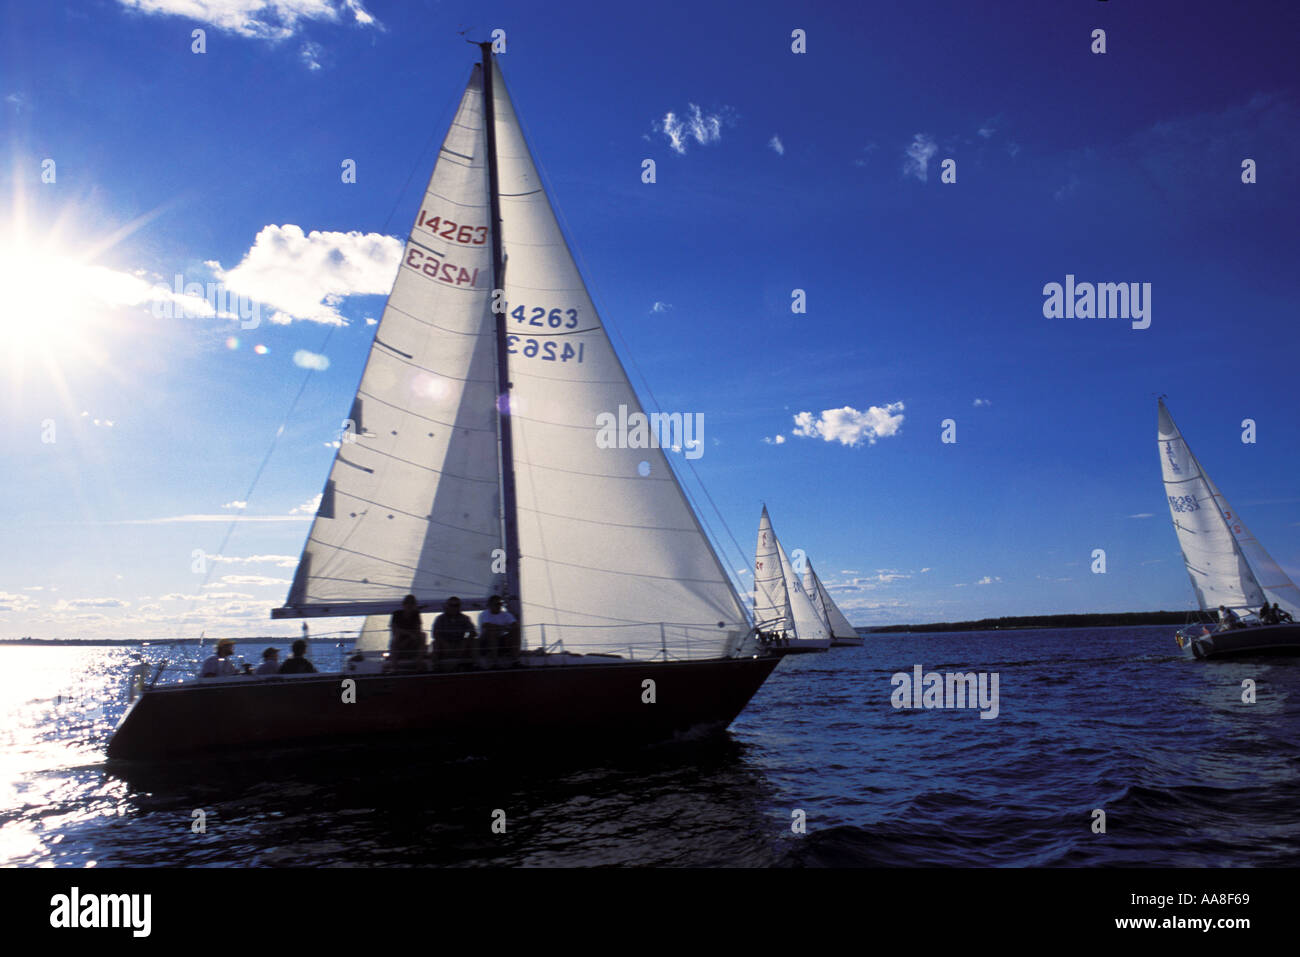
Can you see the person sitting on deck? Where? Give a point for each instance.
(500, 632)
(270, 663)
(298, 664)
(452, 634)
(220, 664)
(1282, 617)
(1266, 615)
(1227, 618)
(406, 641)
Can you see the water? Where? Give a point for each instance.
(1186, 773)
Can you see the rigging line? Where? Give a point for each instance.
(275, 440)
(592, 288)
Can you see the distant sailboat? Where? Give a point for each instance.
(1228, 566)
(474, 472)
(782, 609)
(841, 632)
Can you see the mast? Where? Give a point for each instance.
(509, 515)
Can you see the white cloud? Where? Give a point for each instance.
(306, 276)
(236, 505)
(704, 128)
(986, 131)
(1143, 515)
(91, 603)
(918, 154)
(848, 426)
(309, 507)
(659, 307)
(251, 580)
(259, 19)
(310, 55)
(371, 321)
(311, 360)
(775, 440)
(183, 519)
(280, 561)
(983, 402)
(777, 145)
(987, 580)
(11, 602)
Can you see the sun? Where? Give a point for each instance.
(46, 300)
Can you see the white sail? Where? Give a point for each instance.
(611, 555)
(412, 501)
(814, 593)
(610, 550)
(771, 594)
(808, 625)
(1277, 585)
(1216, 563)
(374, 634)
(836, 623)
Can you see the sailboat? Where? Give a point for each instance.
(472, 470)
(1228, 566)
(783, 613)
(841, 632)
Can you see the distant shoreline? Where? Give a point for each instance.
(1101, 620)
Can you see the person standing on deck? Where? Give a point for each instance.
(452, 634)
(407, 635)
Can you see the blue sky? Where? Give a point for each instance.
(1123, 166)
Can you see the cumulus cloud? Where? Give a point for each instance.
(306, 275)
(848, 426)
(236, 505)
(704, 128)
(775, 440)
(308, 507)
(280, 561)
(983, 402)
(917, 156)
(251, 580)
(776, 144)
(258, 19)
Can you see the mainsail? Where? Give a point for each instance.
(411, 504)
(1218, 549)
(836, 623)
(780, 602)
(610, 554)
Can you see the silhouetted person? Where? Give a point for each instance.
(1227, 618)
(270, 663)
(500, 632)
(452, 634)
(406, 634)
(298, 664)
(220, 664)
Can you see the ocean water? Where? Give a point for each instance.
(1088, 719)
